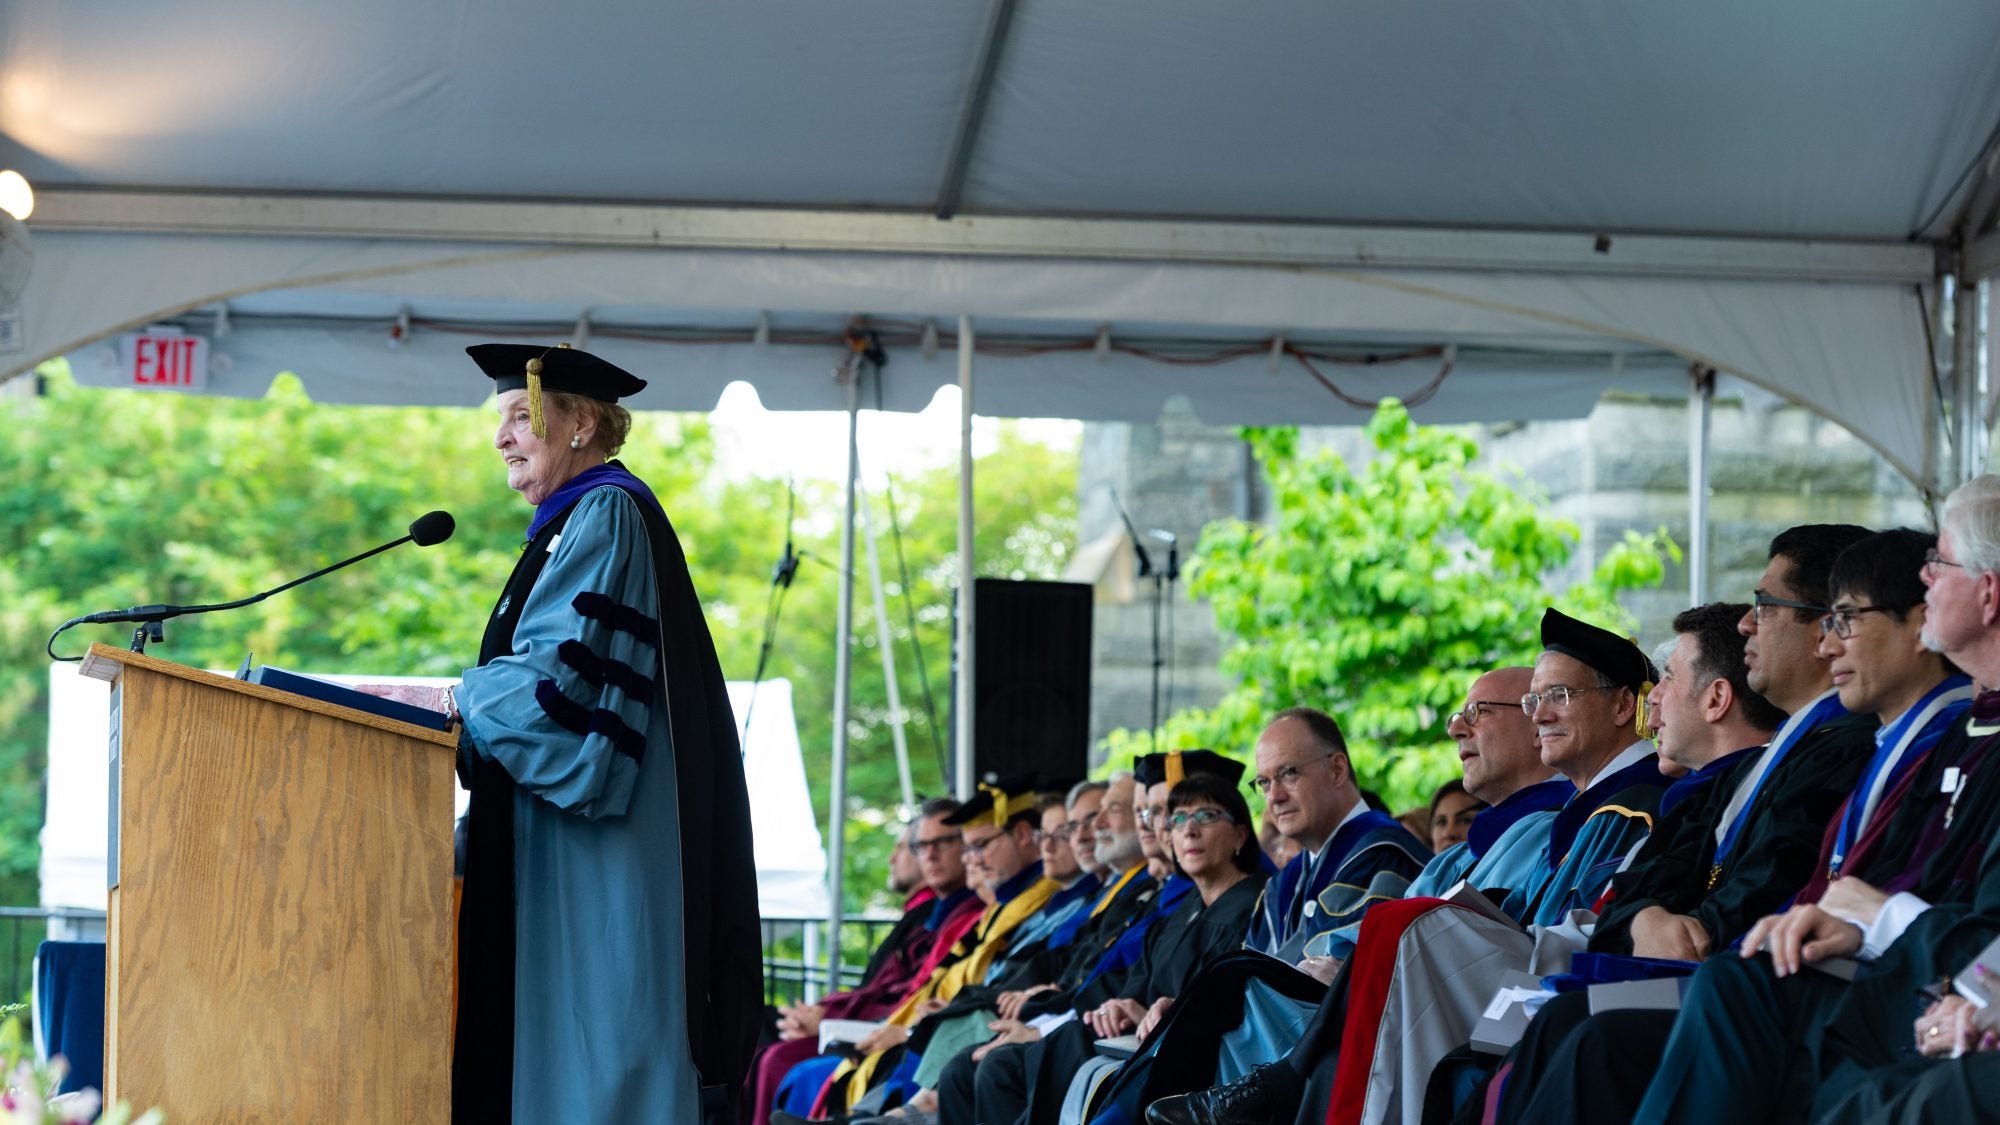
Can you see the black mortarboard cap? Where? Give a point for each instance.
(561, 369)
(1173, 765)
(997, 801)
(1598, 649)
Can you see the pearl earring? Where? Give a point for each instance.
(576, 441)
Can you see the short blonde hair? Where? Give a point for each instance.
(614, 422)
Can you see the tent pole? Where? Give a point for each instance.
(961, 704)
(1969, 412)
(886, 642)
(843, 660)
(1701, 410)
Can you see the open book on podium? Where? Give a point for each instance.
(279, 937)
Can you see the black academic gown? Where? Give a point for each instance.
(1025, 1083)
(1751, 1047)
(1134, 901)
(1774, 853)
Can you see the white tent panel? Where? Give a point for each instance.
(1853, 351)
(1806, 117)
(778, 101)
(791, 862)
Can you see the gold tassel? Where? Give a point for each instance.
(999, 803)
(538, 423)
(1175, 774)
(1639, 720)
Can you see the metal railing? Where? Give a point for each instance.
(795, 961)
(22, 931)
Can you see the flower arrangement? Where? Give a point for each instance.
(30, 1096)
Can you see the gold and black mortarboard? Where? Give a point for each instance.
(560, 368)
(997, 801)
(1603, 651)
(1172, 766)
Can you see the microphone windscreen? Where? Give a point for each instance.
(432, 527)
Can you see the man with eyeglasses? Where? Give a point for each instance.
(998, 825)
(1880, 672)
(1918, 895)
(1350, 855)
(1085, 798)
(1503, 766)
(1021, 1069)
(934, 919)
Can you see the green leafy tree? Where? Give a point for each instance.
(113, 498)
(1378, 594)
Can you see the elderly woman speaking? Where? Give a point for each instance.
(608, 938)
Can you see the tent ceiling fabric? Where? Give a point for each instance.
(1800, 117)
(1797, 119)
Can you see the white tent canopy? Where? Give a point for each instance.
(1772, 186)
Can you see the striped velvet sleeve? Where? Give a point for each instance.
(570, 713)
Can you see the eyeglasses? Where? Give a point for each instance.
(1199, 818)
(1933, 559)
(1760, 600)
(977, 848)
(1557, 697)
(1148, 815)
(1470, 713)
(1286, 776)
(1080, 827)
(938, 844)
(1841, 621)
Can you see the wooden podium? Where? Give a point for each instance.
(279, 944)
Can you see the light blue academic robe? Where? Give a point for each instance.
(1506, 847)
(600, 1008)
(1588, 841)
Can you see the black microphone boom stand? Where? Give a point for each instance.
(1163, 592)
(428, 529)
(1146, 571)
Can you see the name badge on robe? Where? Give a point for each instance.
(1312, 908)
(553, 540)
(1950, 780)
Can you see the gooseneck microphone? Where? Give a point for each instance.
(429, 529)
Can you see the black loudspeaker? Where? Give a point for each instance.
(1031, 680)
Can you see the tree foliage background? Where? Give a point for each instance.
(1378, 593)
(114, 498)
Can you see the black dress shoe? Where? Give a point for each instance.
(1258, 1097)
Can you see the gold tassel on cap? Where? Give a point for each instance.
(538, 422)
(1639, 721)
(999, 803)
(1175, 773)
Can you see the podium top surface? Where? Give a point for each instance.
(104, 662)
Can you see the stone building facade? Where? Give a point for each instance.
(1622, 468)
